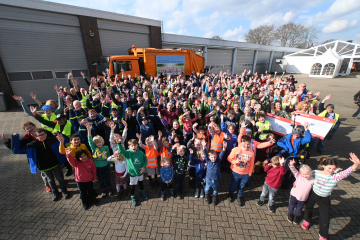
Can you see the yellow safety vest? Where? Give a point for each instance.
(52, 118)
(67, 129)
(83, 102)
(266, 126)
(323, 114)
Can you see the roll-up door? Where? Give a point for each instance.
(37, 49)
(219, 59)
(117, 37)
(244, 60)
(262, 62)
(275, 66)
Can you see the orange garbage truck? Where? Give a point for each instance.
(152, 61)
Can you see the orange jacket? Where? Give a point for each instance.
(255, 144)
(217, 142)
(151, 155)
(165, 153)
(247, 159)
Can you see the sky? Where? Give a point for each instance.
(231, 19)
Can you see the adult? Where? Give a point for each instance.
(357, 102)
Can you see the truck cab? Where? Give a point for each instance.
(129, 63)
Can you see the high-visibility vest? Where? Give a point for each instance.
(217, 142)
(83, 101)
(266, 126)
(151, 155)
(153, 111)
(52, 118)
(314, 102)
(323, 114)
(113, 105)
(67, 129)
(200, 135)
(165, 153)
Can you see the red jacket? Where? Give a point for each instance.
(168, 116)
(84, 171)
(274, 176)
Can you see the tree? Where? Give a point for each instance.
(263, 34)
(217, 37)
(296, 35)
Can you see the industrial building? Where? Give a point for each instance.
(40, 42)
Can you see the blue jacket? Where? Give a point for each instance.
(285, 143)
(232, 142)
(213, 168)
(166, 174)
(145, 130)
(30, 150)
(200, 167)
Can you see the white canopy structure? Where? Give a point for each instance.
(327, 60)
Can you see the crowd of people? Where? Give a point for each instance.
(167, 128)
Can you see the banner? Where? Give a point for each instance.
(173, 65)
(281, 126)
(319, 126)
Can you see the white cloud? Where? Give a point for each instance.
(209, 34)
(235, 34)
(290, 16)
(339, 25)
(340, 8)
(176, 20)
(154, 9)
(208, 23)
(357, 38)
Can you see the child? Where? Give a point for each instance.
(167, 175)
(115, 138)
(180, 161)
(199, 164)
(231, 141)
(263, 126)
(275, 171)
(242, 164)
(151, 153)
(85, 173)
(213, 174)
(187, 125)
(164, 148)
(325, 182)
(75, 145)
(136, 162)
(217, 138)
(100, 155)
(301, 190)
(121, 171)
(146, 128)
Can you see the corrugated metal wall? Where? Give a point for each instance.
(244, 60)
(275, 66)
(219, 59)
(117, 37)
(34, 41)
(262, 62)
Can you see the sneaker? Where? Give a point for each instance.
(110, 191)
(162, 196)
(305, 225)
(133, 200)
(291, 217)
(55, 197)
(322, 238)
(297, 220)
(272, 208)
(86, 207)
(240, 201)
(66, 195)
(143, 194)
(230, 197)
(207, 198)
(181, 195)
(104, 194)
(202, 193)
(197, 192)
(68, 172)
(215, 200)
(48, 188)
(260, 203)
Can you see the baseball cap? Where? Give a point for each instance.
(60, 116)
(248, 131)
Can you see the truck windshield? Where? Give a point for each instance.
(101, 66)
(118, 65)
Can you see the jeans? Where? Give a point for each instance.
(268, 190)
(214, 184)
(356, 113)
(238, 182)
(59, 175)
(103, 175)
(324, 212)
(179, 182)
(320, 145)
(293, 202)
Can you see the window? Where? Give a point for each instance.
(315, 69)
(118, 65)
(42, 75)
(19, 76)
(328, 69)
(61, 74)
(101, 66)
(77, 73)
(344, 65)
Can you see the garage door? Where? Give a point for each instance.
(275, 66)
(117, 37)
(219, 59)
(37, 49)
(262, 62)
(244, 60)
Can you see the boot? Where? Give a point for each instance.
(156, 182)
(110, 191)
(201, 193)
(172, 193)
(162, 195)
(125, 192)
(207, 198)
(215, 200)
(118, 196)
(230, 197)
(143, 194)
(240, 201)
(197, 191)
(297, 220)
(290, 217)
(133, 200)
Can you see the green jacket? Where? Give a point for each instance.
(135, 160)
(100, 155)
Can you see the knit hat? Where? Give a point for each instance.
(46, 107)
(248, 131)
(297, 131)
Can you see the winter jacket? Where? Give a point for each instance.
(84, 171)
(285, 143)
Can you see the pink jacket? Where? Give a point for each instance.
(84, 171)
(187, 125)
(302, 187)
